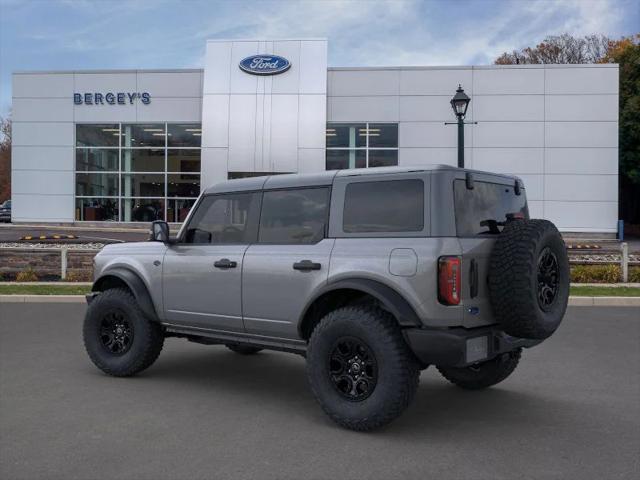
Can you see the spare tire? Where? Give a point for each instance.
(529, 278)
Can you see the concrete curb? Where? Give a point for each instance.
(573, 301)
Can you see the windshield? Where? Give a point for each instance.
(485, 208)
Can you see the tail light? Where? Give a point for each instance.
(449, 280)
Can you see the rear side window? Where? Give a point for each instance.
(484, 209)
(384, 206)
(228, 218)
(294, 216)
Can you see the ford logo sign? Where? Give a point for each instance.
(265, 64)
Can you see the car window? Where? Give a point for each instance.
(484, 209)
(384, 206)
(294, 215)
(224, 219)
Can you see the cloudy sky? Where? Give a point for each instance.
(104, 34)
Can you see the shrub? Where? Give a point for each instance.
(27, 275)
(596, 273)
(79, 276)
(634, 274)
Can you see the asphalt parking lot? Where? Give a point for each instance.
(571, 410)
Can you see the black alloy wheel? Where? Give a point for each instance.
(116, 332)
(548, 273)
(353, 369)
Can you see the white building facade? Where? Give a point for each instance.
(125, 146)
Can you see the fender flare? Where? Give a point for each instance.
(392, 300)
(135, 284)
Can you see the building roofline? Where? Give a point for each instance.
(117, 70)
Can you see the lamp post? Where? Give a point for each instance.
(459, 104)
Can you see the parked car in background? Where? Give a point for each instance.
(5, 211)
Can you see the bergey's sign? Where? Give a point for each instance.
(265, 64)
(110, 98)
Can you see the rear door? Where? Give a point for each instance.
(480, 214)
(289, 261)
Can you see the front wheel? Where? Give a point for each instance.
(120, 340)
(485, 374)
(360, 369)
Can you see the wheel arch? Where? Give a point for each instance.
(120, 277)
(335, 295)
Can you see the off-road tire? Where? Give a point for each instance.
(146, 344)
(398, 371)
(514, 279)
(484, 374)
(243, 349)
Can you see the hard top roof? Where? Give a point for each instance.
(291, 180)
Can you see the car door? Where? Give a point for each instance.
(289, 262)
(202, 272)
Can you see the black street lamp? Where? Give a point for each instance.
(459, 104)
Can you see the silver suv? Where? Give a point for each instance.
(372, 275)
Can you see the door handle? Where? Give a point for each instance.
(225, 263)
(306, 265)
(473, 279)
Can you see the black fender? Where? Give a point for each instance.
(135, 284)
(387, 296)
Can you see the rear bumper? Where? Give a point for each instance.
(461, 347)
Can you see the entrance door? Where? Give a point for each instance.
(289, 262)
(202, 273)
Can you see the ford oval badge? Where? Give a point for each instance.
(265, 64)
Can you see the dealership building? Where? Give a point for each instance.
(137, 145)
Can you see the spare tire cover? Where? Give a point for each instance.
(529, 278)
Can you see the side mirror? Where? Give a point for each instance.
(159, 231)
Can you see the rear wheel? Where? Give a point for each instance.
(243, 349)
(360, 369)
(120, 340)
(485, 374)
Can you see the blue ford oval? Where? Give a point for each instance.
(265, 64)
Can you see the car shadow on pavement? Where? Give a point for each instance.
(279, 381)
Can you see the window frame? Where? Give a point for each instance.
(338, 199)
(367, 148)
(325, 232)
(121, 173)
(180, 239)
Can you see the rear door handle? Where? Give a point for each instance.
(473, 279)
(306, 265)
(225, 263)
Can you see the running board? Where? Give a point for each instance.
(211, 337)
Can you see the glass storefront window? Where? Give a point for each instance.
(183, 185)
(143, 185)
(383, 158)
(178, 209)
(383, 135)
(184, 161)
(143, 135)
(97, 159)
(96, 209)
(346, 135)
(96, 185)
(143, 160)
(142, 209)
(361, 145)
(140, 168)
(184, 135)
(103, 135)
(341, 159)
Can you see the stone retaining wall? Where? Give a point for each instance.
(46, 264)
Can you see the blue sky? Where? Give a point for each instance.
(104, 34)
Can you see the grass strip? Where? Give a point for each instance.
(597, 291)
(44, 289)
